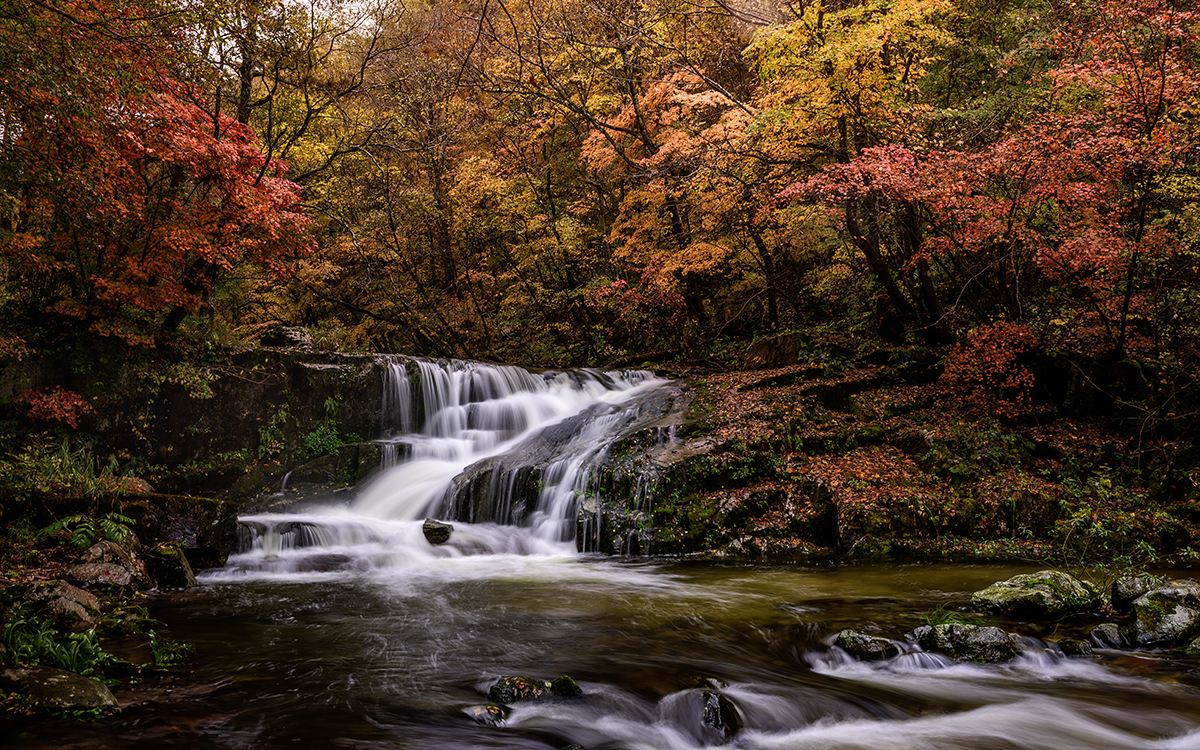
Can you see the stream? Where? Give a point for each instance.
(342, 626)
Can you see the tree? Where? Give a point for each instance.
(125, 201)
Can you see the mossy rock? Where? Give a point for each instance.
(1167, 616)
(968, 642)
(1045, 595)
(57, 689)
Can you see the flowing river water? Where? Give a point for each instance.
(343, 627)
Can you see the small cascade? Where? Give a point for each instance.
(477, 443)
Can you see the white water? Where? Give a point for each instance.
(440, 418)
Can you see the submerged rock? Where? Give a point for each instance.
(1045, 595)
(436, 532)
(488, 714)
(52, 688)
(969, 642)
(865, 647)
(515, 689)
(1167, 616)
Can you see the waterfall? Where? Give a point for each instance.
(512, 453)
(497, 444)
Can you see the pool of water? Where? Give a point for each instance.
(392, 653)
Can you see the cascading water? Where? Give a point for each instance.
(506, 453)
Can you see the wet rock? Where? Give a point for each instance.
(1109, 635)
(488, 714)
(1127, 589)
(515, 689)
(1193, 647)
(206, 529)
(436, 532)
(721, 715)
(108, 564)
(64, 603)
(865, 647)
(1045, 595)
(169, 568)
(1167, 616)
(967, 642)
(1074, 647)
(56, 688)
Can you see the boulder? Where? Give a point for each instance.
(109, 564)
(436, 532)
(64, 603)
(57, 689)
(865, 647)
(515, 689)
(1167, 616)
(488, 714)
(1126, 589)
(1045, 595)
(967, 642)
(169, 568)
(1110, 635)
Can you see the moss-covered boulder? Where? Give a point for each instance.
(1045, 595)
(1167, 616)
(967, 642)
(57, 689)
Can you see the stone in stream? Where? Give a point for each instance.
(514, 689)
(488, 714)
(436, 532)
(1128, 589)
(721, 715)
(1045, 595)
(1167, 616)
(1110, 635)
(1073, 647)
(52, 688)
(865, 647)
(967, 642)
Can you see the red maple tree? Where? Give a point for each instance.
(124, 199)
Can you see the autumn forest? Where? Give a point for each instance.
(565, 183)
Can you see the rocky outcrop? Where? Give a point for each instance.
(57, 689)
(1045, 595)
(967, 642)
